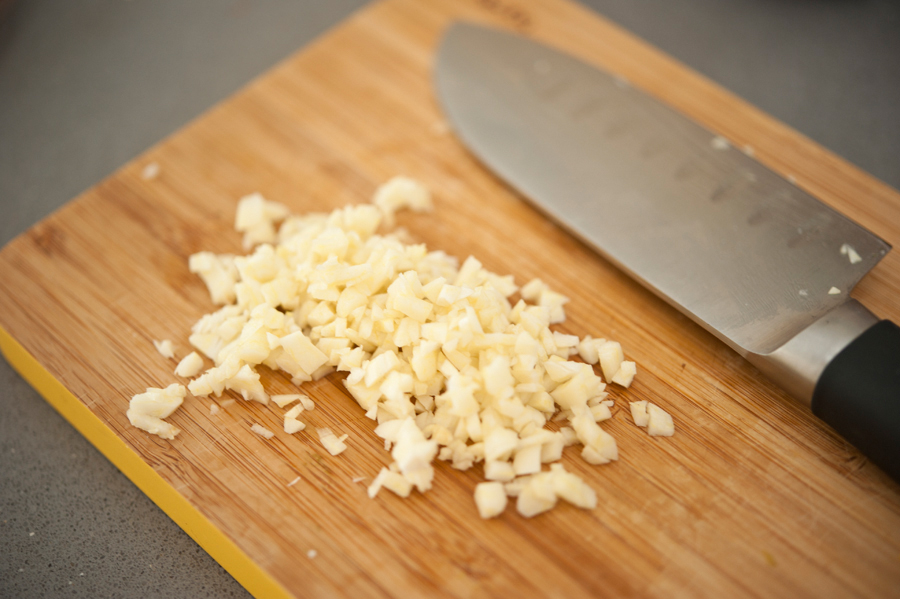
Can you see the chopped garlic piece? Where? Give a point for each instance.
(246, 381)
(532, 289)
(527, 460)
(330, 441)
(536, 495)
(660, 422)
(294, 412)
(294, 482)
(397, 484)
(218, 273)
(147, 410)
(539, 492)
(256, 217)
(292, 425)
(307, 403)
(392, 481)
(601, 412)
(571, 488)
(312, 553)
(413, 455)
(834, 291)
(588, 349)
(401, 192)
(639, 412)
(214, 409)
(499, 444)
(164, 348)
(262, 431)
(190, 365)
(611, 357)
(625, 374)
(490, 499)
(357, 479)
(500, 471)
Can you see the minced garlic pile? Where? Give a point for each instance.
(436, 353)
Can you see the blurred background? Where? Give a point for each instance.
(86, 86)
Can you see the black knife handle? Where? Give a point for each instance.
(859, 395)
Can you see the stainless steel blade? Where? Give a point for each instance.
(736, 247)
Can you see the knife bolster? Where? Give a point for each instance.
(798, 365)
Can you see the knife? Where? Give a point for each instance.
(755, 260)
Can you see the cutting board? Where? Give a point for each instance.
(752, 496)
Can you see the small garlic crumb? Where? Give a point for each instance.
(330, 442)
(190, 365)
(214, 409)
(164, 348)
(226, 402)
(294, 482)
(803, 292)
(440, 128)
(719, 143)
(852, 255)
(31, 534)
(262, 431)
(150, 171)
(312, 553)
(358, 479)
(834, 291)
(283, 400)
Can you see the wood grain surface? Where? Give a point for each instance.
(753, 496)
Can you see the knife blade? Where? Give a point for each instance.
(752, 258)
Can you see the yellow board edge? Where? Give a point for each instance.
(258, 582)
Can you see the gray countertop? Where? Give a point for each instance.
(86, 86)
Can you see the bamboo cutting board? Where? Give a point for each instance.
(752, 497)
